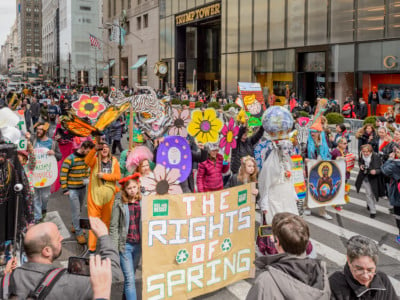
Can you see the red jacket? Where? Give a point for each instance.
(209, 175)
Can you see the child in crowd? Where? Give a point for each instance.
(125, 230)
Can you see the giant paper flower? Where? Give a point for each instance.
(88, 107)
(205, 126)
(181, 121)
(229, 132)
(163, 182)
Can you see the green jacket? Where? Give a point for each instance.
(118, 229)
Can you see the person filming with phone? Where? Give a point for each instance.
(290, 274)
(40, 279)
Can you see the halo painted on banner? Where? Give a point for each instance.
(322, 166)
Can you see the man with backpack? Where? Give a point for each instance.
(40, 279)
(74, 173)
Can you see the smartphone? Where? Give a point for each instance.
(78, 266)
(265, 230)
(84, 223)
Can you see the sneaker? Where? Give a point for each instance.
(338, 207)
(372, 216)
(307, 212)
(326, 216)
(72, 229)
(391, 210)
(398, 238)
(81, 239)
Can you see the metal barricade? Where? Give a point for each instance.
(353, 125)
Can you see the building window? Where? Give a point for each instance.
(115, 7)
(129, 4)
(127, 27)
(139, 1)
(109, 8)
(85, 8)
(145, 21)
(138, 23)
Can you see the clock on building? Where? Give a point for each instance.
(163, 68)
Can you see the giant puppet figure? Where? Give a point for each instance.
(276, 185)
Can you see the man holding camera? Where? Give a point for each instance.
(290, 274)
(43, 245)
(74, 178)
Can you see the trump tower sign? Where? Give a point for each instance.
(194, 244)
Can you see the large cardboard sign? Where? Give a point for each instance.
(46, 170)
(326, 182)
(194, 244)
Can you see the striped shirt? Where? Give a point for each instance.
(73, 172)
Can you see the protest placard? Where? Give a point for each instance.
(22, 127)
(46, 170)
(326, 182)
(193, 244)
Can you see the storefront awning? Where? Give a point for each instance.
(112, 62)
(139, 63)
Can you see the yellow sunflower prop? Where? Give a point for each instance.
(205, 126)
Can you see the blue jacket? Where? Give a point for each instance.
(391, 168)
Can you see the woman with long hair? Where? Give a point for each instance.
(125, 230)
(365, 135)
(104, 174)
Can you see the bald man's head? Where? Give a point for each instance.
(43, 242)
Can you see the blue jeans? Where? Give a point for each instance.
(40, 200)
(129, 261)
(76, 198)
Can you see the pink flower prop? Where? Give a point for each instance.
(229, 134)
(163, 182)
(181, 122)
(87, 107)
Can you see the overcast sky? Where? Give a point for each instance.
(7, 18)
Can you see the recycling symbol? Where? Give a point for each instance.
(182, 256)
(226, 245)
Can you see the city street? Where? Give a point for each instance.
(328, 237)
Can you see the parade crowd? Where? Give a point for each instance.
(111, 180)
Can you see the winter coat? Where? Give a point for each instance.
(362, 111)
(391, 168)
(69, 286)
(118, 229)
(348, 111)
(363, 139)
(290, 277)
(376, 181)
(345, 287)
(209, 174)
(116, 130)
(244, 148)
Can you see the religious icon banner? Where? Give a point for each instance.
(326, 182)
(193, 244)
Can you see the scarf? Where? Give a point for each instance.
(367, 160)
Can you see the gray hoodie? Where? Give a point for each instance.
(288, 277)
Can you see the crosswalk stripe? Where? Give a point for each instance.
(343, 232)
(366, 220)
(340, 259)
(362, 203)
